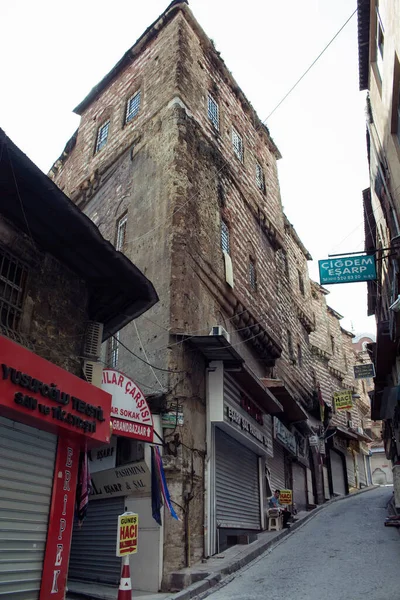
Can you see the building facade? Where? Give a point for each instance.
(176, 169)
(379, 74)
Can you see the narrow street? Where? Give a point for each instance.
(344, 553)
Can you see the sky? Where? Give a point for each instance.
(54, 53)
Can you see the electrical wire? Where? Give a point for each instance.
(146, 357)
(143, 360)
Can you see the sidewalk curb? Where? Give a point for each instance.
(217, 578)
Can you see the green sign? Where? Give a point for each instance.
(347, 269)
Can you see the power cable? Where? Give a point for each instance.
(146, 357)
(145, 361)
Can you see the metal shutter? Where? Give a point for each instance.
(276, 466)
(339, 486)
(310, 488)
(361, 469)
(93, 545)
(299, 487)
(327, 493)
(351, 476)
(27, 458)
(237, 487)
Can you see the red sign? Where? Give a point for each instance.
(130, 413)
(55, 567)
(40, 394)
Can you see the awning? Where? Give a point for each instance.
(292, 409)
(343, 433)
(216, 347)
(257, 390)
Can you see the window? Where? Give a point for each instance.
(237, 143)
(380, 43)
(132, 107)
(299, 356)
(290, 344)
(225, 237)
(301, 283)
(260, 181)
(121, 233)
(252, 274)
(286, 262)
(12, 282)
(213, 112)
(113, 351)
(102, 136)
(333, 347)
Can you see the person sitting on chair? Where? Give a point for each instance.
(274, 503)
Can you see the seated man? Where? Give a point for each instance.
(274, 503)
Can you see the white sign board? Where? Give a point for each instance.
(132, 479)
(103, 458)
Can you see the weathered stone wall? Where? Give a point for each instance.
(54, 314)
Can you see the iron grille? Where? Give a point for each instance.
(114, 351)
(237, 142)
(225, 241)
(132, 107)
(102, 136)
(12, 281)
(260, 181)
(121, 233)
(213, 112)
(252, 275)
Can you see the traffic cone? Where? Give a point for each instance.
(125, 586)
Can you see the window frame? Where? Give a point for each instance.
(224, 229)
(130, 115)
(301, 283)
(290, 344)
(101, 143)
(299, 355)
(121, 228)
(252, 274)
(379, 44)
(16, 285)
(238, 148)
(114, 351)
(260, 177)
(213, 117)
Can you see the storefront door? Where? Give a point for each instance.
(338, 481)
(27, 457)
(276, 467)
(299, 486)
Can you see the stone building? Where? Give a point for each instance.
(63, 287)
(379, 74)
(174, 166)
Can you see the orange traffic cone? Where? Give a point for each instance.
(125, 586)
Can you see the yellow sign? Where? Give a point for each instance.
(127, 538)
(286, 497)
(343, 400)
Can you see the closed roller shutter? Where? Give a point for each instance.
(27, 458)
(236, 484)
(361, 469)
(351, 476)
(93, 545)
(276, 467)
(299, 487)
(310, 493)
(327, 493)
(339, 486)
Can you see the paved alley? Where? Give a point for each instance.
(344, 553)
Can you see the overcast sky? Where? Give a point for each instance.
(53, 53)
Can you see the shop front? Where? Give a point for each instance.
(121, 481)
(240, 434)
(338, 466)
(285, 446)
(47, 417)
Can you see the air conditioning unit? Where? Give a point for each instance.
(218, 330)
(93, 340)
(350, 424)
(93, 372)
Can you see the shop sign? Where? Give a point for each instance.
(236, 418)
(132, 479)
(103, 458)
(347, 269)
(130, 413)
(343, 400)
(62, 509)
(313, 440)
(339, 444)
(38, 393)
(127, 536)
(365, 371)
(171, 420)
(286, 497)
(284, 436)
(321, 446)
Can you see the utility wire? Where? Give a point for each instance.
(146, 357)
(142, 359)
(311, 66)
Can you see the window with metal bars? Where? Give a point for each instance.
(121, 232)
(290, 344)
(225, 237)
(102, 136)
(252, 274)
(260, 180)
(113, 351)
(299, 356)
(237, 142)
(213, 112)
(12, 282)
(301, 283)
(132, 107)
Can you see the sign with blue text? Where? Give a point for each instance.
(347, 269)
